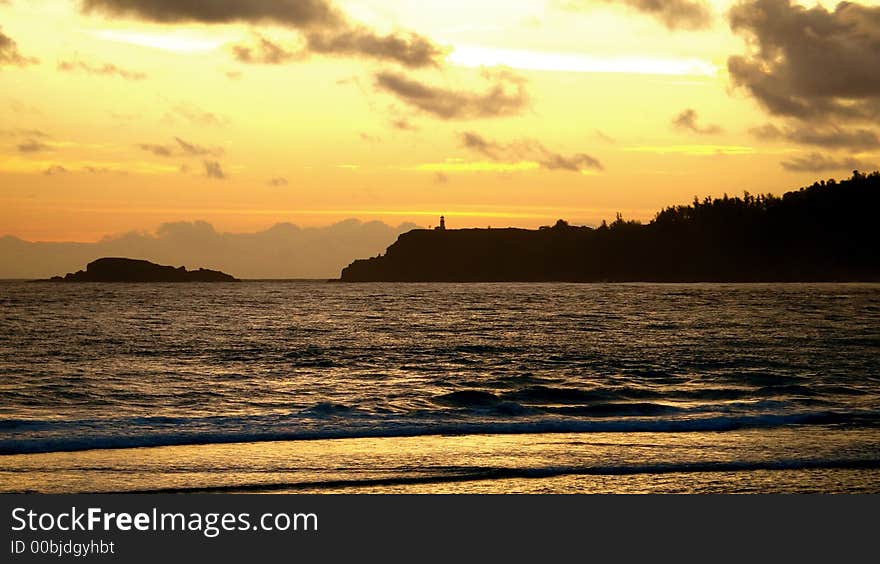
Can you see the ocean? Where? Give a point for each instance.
(307, 386)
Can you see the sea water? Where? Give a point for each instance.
(316, 386)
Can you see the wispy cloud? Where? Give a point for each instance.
(506, 96)
(688, 120)
(180, 148)
(213, 170)
(817, 162)
(105, 69)
(674, 14)
(10, 55)
(529, 150)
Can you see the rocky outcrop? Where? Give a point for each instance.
(132, 270)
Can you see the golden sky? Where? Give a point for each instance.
(119, 115)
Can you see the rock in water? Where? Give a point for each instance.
(131, 270)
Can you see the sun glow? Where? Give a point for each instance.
(179, 42)
(476, 56)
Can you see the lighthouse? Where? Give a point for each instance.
(442, 226)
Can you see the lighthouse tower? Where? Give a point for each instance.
(442, 226)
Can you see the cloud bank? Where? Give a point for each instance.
(325, 29)
(282, 251)
(816, 162)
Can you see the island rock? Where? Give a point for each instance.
(132, 270)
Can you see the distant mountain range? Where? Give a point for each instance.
(824, 232)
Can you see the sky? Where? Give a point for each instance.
(120, 116)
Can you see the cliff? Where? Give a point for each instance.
(131, 270)
(825, 232)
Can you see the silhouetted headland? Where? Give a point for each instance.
(825, 232)
(131, 270)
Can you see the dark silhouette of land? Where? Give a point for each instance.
(824, 232)
(131, 270)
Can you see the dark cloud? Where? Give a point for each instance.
(528, 149)
(506, 96)
(10, 55)
(816, 162)
(292, 13)
(409, 49)
(325, 29)
(213, 170)
(278, 181)
(831, 137)
(674, 14)
(688, 119)
(809, 63)
(32, 146)
(54, 170)
(106, 69)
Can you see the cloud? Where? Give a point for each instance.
(687, 121)
(32, 146)
(674, 14)
(407, 49)
(55, 170)
(158, 150)
(197, 150)
(106, 69)
(831, 137)
(195, 115)
(403, 124)
(606, 138)
(282, 251)
(10, 55)
(326, 30)
(809, 63)
(506, 96)
(816, 162)
(264, 52)
(180, 149)
(25, 132)
(213, 170)
(528, 150)
(278, 181)
(292, 13)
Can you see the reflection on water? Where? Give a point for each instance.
(118, 366)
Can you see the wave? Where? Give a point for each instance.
(474, 474)
(165, 431)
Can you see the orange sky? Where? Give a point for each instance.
(122, 116)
